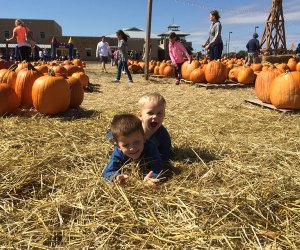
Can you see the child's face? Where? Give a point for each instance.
(132, 145)
(152, 115)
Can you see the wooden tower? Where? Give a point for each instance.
(273, 38)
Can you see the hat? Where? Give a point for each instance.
(255, 35)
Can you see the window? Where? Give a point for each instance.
(6, 34)
(42, 35)
(88, 52)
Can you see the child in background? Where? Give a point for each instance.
(132, 145)
(176, 49)
(152, 108)
(122, 51)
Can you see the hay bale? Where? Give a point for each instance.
(234, 183)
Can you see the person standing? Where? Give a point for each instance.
(298, 50)
(214, 43)
(176, 51)
(123, 55)
(253, 49)
(19, 32)
(103, 51)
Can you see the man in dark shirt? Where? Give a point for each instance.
(253, 49)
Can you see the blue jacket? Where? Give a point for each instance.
(162, 140)
(150, 157)
(253, 46)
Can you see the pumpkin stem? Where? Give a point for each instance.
(51, 72)
(13, 67)
(31, 67)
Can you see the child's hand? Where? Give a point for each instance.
(121, 179)
(149, 181)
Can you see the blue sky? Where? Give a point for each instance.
(104, 17)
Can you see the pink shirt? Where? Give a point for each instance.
(175, 51)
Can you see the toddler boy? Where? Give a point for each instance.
(132, 145)
(151, 112)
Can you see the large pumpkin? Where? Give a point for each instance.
(187, 68)
(58, 69)
(82, 77)
(162, 67)
(9, 76)
(292, 63)
(263, 82)
(23, 87)
(285, 91)
(246, 75)
(197, 76)
(168, 71)
(215, 72)
(71, 69)
(9, 102)
(51, 94)
(77, 92)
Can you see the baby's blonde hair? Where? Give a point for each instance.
(152, 97)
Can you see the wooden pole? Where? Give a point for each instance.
(147, 46)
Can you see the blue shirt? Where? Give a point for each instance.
(150, 156)
(162, 140)
(253, 46)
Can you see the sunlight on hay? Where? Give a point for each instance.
(234, 181)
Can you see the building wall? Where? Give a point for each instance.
(39, 27)
(86, 46)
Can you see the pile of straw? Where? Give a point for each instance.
(234, 181)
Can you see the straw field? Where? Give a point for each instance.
(234, 181)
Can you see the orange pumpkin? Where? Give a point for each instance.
(71, 69)
(156, 70)
(168, 71)
(215, 72)
(77, 92)
(246, 75)
(51, 94)
(42, 68)
(298, 66)
(60, 70)
(256, 66)
(197, 76)
(9, 76)
(263, 82)
(77, 62)
(285, 91)
(82, 77)
(187, 68)
(9, 102)
(292, 63)
(23, 87)
(161, 68)
(21, 66)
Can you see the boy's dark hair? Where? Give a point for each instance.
(124, 125)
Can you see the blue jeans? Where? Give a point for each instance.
(215, 51)
(123, 64)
